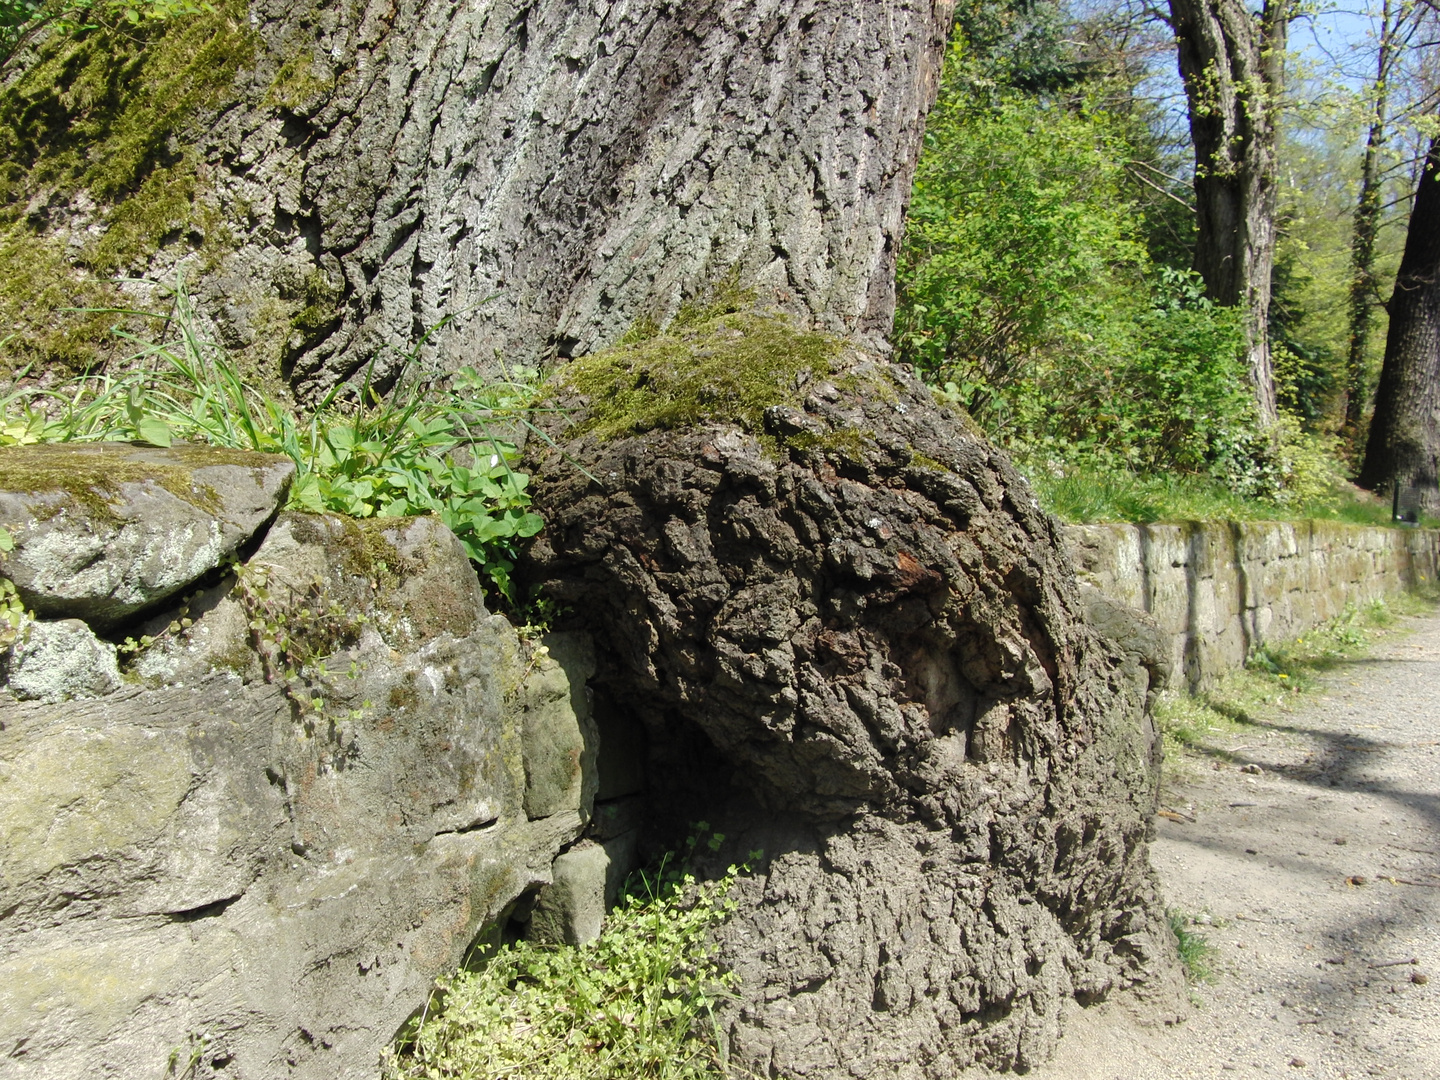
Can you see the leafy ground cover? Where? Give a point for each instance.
(633, 1005)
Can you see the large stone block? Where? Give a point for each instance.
(103, 531)
(298, 810)
(53, 661)
(560, 737)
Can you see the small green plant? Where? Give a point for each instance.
(423, 448)
(633, 1005)
(12, 608)
(1196, 952)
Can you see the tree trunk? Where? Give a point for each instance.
(1362, 244)
(853, 641)
(1404, 442)
(546, 174)
(1232, 62)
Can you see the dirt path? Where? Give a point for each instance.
(1314, 873)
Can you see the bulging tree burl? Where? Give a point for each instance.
(855, 641)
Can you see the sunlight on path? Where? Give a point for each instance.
(1317, 874)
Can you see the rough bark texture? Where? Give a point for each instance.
(1232, 63)
(857, 643)
(546, 174)
(1364, 289)
(1404, 442)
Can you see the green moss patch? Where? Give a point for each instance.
(729, 369)
(92, 475)
(105, 112)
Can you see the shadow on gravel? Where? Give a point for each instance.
(1341, 981)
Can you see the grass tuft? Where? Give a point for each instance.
(421, 449)
(1196, 952)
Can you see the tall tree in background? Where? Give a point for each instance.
(1404, 442)
(1363, 286)
(1232, 62)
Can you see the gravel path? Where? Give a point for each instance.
(1318, 873)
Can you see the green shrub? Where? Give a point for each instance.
(1028, 295)
(633, 1005)
(421, 449)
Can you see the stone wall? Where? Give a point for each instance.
(1221, 589)
(246, 843)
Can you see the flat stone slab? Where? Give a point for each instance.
(103, 531)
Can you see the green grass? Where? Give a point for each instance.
(423, 448)
(1196, 952)
(1087, 496)
(633, 1005)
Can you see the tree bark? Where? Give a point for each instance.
(853, 642)
(1367, 219)
(1404, 442)
(1232, 62)
(544, 174)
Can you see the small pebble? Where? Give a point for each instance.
(1297, 1063)
(1419, 978)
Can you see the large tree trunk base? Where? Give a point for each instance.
(854, 640)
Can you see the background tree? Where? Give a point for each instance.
(1232, 63)
(1404, 442)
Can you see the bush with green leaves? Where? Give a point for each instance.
(1017, 232)
(422, 448)
(1028, 296)
(633, 1005)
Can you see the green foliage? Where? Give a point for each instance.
(421, 449)
(633, 1005)
(22, 20)
(706, 367)
(1015, 211)
(1030, 298)
(1028, 295)
(1083, 492)
(1196, 952)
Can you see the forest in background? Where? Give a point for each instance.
(1049, 279)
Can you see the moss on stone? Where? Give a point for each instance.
(728, 368)
(91, 474)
